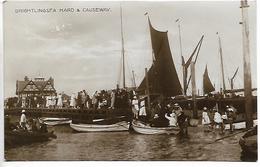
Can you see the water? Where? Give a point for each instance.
(128, 146)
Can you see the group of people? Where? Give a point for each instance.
(212, 119)
(117, 98)
(161, 114)
(25, 124)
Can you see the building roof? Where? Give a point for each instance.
(34, 86)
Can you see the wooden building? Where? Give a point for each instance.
(39, 87)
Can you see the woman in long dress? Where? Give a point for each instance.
(73, 100)
(59, 103)
(205, 119)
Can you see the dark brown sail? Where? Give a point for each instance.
(163, 78)
(207, 85)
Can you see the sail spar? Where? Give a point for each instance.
(207, 85)
(162, 75)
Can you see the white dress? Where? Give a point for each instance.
(142, 109)
(59, 103)
(172, 119)
(205, 118)
(72, 100)
(217, 118)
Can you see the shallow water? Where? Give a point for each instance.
(129, 146)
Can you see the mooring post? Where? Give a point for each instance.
(195, 112)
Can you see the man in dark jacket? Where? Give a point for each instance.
(182, 121)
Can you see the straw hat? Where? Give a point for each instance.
(23, 111)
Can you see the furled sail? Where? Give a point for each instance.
(162, 75)
(207, 85)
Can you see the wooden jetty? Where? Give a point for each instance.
(77, 114)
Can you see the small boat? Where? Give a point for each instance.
(22, 137)
(143, 128)
(119, 126)
(248, 142)
(239, 125)
(55, 121)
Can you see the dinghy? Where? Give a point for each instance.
(55, 121)
(22, 137)
(119, 126)
(143, 128)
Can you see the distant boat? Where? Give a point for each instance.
(240, 125)
(55, 121)
(15, 138)
(143, 128)
(119, 126)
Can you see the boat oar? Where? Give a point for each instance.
(98, 120)
(233, 134)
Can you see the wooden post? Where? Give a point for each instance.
(247, 66)
(147, 90)
(195, 112)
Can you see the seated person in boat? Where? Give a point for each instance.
(159, 119)
(172, 119)
(183, 122)
(23, 120)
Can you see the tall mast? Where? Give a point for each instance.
(247, 66)
(133, 73)
(123, 49)
(221, 62)
(183, 61)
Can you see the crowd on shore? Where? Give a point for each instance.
(118, 98)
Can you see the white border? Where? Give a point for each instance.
(109, 163)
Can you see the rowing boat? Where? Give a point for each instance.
(119, 126)
(143, 128)
(22, 137)
(55, 121)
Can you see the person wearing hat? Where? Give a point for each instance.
(231, 117)
(205, 119)
(218, 120)
(183, 123)
(177, 109)
(23, 120)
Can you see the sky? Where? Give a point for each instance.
(82, 50)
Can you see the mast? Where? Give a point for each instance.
(134, 84)
(147, 89)
(193, 82)
(221, 63)
(247, 66)
(183, 61)
(123, 49)
(232, 79)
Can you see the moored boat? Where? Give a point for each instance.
(239, 125)
(248, 142)
(55, 121)
(119, 126)
(22, 137)
(143, 128)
